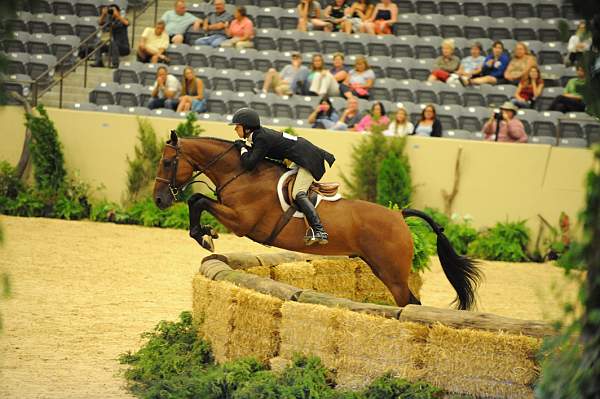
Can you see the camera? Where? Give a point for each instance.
(111, 10)
(498, 116)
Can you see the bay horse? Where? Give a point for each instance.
(247, 204)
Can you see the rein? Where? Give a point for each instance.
(198, 170)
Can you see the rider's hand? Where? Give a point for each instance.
(239, 144)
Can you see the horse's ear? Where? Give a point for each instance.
(174, 137)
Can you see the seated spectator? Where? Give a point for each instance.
(240, 30)
(520, 64)
(334, 15)
(153, 43)
(324, 116)
(117, 26)
(350, 117)
(511, 128)
(375, 118)
(359, 80)
(177, 22)
(320, 81)
(214, 26)
(572, 98)
(445, 64)
(339, 70)
(309, 15)
(383, 17)
(493, 68)
(429, 125)
(400, 126)
(579, 43)
(529, 89)
(357, 14)
(165, 90)
(285, 83)
(192, 93)
(469, 66)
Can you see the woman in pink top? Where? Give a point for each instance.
(240, 30)
(511, 128)
(376, 117)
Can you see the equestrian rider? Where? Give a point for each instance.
(261, 142)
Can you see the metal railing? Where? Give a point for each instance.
(39, 86)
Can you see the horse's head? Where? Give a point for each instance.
(172, 174)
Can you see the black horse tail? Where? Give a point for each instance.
(461, 271)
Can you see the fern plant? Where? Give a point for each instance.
(505, 242)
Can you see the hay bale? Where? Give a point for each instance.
(256, 321)
(309, 330)
(369, 288)
(370, 346)
(481, 363)
(261, 271)
(319, 298)
(336, 277)
(200, 294)
(298, 274)
(415, 283)
(218, 323)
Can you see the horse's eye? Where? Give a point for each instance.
(167, 163)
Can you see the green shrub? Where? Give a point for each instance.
(189, 128)
(10, 184)
(46, 152)
(175, 363)
(572, 258)
(394, 185)
(460, 235)
(366, 158)
(438, 216)
(504, 242)
(176, 217)
(143, 167)
(423, 242)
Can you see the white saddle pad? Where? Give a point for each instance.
(285, 206)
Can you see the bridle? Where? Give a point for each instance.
(198, 170)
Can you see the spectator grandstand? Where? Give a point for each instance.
(402, 62)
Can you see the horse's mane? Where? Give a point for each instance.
(267, 161)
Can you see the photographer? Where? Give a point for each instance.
(511, 129)
(115, 30)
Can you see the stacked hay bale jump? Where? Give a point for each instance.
(274, 306)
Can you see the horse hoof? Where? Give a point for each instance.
(207, 243)
(214, 234)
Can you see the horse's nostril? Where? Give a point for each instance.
(158, 200)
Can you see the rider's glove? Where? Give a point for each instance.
(240, 145)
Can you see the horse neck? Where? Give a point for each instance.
(205, 150)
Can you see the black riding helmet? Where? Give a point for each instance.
(246, 117)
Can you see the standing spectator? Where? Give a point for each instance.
(165, 90)
(309, 15)
(469, 66)
(359, 81)
(429, 125)
(324, 116)
(572, 98)
(494, 66)
(375, 118)
(285, 83)
(177, 22)
(400, 126)
(529, 89)
(446, 63)
(214, 26)
(350, 117)
(520, 64)
(240, 30)
(335, 15)
(116, 25)
(192, 93)
(511, 128)
(384, 16)
(358, 13)
(338, 70)
(320, 81)
(153, 43)
(578, 44)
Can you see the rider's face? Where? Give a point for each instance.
(240, 131)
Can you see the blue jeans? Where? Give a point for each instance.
(170, 103)
(211, 40)
(199, 105)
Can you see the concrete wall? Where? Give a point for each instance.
(499, 181)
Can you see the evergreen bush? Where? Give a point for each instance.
(394, 185)
(504, 242)
(189, 128)
(143, 167)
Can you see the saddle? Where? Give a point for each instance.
(326, 190)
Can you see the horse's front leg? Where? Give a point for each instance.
(204, 234)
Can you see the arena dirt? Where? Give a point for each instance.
(83, 293)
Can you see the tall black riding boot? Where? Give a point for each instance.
(316, 233)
